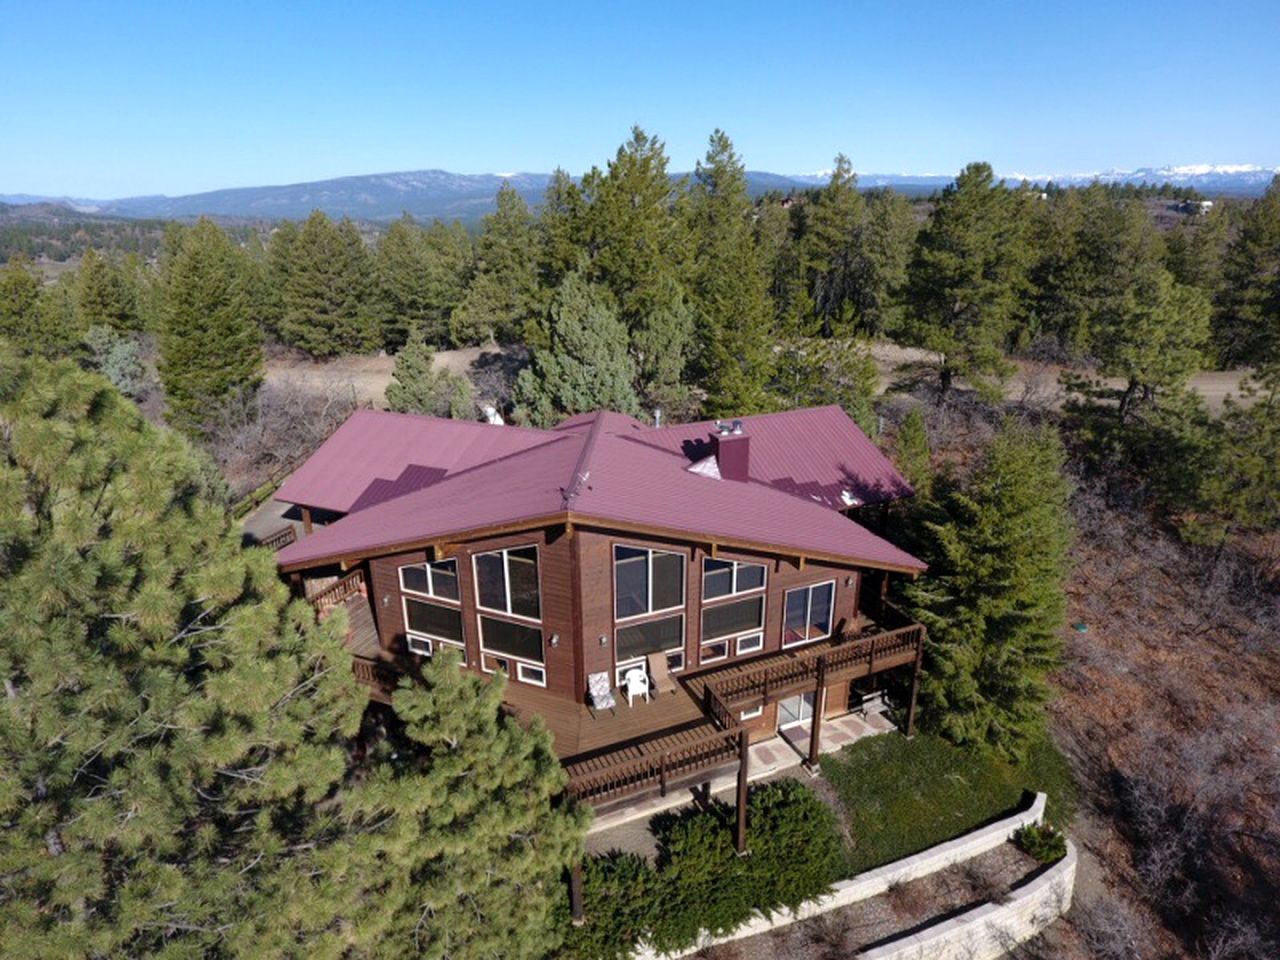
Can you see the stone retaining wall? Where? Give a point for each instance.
(877, 881)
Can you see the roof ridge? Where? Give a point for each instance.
(581, 469)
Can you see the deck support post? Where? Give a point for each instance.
(306, 520)
(576, 912)
(296, 587)
(744, 759)
(815, 722)
(915, 686)
(662, 774)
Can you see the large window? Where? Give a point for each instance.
(518, 640)
(507, 582)
(438, 579)
(634, 643)
(731, 619)
(725, 578)
(646, 581)
(808, 614)
(430, 624)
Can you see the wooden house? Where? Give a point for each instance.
(661, 597)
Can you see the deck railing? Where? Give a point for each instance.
(715, 708)
(715, 748)
(772, 680)
(279, 539)
(337, 593)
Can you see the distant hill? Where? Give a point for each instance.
(437, 193)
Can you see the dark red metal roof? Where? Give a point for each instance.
(609, 468)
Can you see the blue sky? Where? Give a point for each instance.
(109, 99)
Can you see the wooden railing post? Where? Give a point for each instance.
(915, 684)
(744, 758)
(662, 774)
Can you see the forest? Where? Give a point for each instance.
(142, 373)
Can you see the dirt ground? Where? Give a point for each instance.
(369, 375)
(842, 933)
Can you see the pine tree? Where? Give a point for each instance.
(829, 251)
(886, 240)
(586, 367)
(278, 267)
(331, 297)
(20, 304)
(1153, 336)
(912, 454)
(102, 295)
(452, 848)
(402, 268)
(504, 296)
(210, 344)
(561, 229)
(171, 723)
(730, 287)
(448, 271)
(969, 275)
(993, 599)
(418, 387)
(814, 372)
(1247, 325)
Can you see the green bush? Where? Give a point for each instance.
(1042, 841)
(700, 883)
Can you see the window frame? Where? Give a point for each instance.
(808, 612)
(753, 713)
(506, 580)
(431, 583)
(737, 642)
(703, 658)
(502, 654)
(431, 638)
(684, 581)
(668, 652)
(522, 667)
(734, 592)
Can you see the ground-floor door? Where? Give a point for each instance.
(795, 711)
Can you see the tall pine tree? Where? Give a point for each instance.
(504, 296)
(1247, 325)
(993, 599)
(210, 342)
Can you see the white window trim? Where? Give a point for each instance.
(735, 593)
(808, 610)
(737, 644)
(506, 581)
(751, 714)
(499, 653)
(409, 632)
(431, 581)
(711, 643)
(522, 666)
(684, 586)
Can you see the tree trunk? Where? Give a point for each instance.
(1126, 399)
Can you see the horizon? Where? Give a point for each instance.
(164, 101)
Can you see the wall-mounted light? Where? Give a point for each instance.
(386, 599)
(848, 581)
(604, 641)
(555, 639)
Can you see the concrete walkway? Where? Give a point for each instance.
(627, 829)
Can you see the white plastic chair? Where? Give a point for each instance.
(637, 682)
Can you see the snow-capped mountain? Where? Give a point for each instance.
(439, 193)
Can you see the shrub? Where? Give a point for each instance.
(1042, 841)
(700, 883)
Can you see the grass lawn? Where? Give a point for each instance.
(902, 796)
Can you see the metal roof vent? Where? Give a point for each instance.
(737, 428)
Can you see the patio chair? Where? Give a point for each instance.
(601, 691)
(663, 682)
(637, 684)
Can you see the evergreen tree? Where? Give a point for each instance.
(102, 295)
(813, 372)
(561, 224)
(58, 329)
(969, 275)
(1195, 250)
(1153, 336)
(20, 304)
(586, 367)
(886, 240)
(448, 269)
(1241, 489)
(418, 387)
(993, 599)
(170, 724)
(331, 297)
(278, 268)
(1247, 325)
(452, 848)
(912, 454)
(118, 357)
(660, 347)
(402, 270)
(504, 295)
(830, 249)
(210, 344)
(730, 287)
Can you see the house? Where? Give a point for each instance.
(661, 597)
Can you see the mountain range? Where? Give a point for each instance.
(438, 193)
